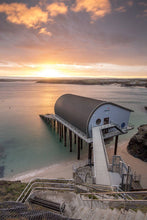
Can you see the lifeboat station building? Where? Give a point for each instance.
(85, 119)
(86, 113)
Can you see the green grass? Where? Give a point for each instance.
(90, 196)
(10, 190)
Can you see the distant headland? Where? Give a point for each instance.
(82, 81)
(96, 81)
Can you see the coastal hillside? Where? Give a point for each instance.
(10, 190)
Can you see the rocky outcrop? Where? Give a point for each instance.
(137, 146)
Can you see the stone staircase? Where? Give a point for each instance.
(84, 211)
(80, 206)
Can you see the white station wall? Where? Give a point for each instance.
(116, 115)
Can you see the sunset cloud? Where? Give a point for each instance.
(44, 31)
(145, 12)
(96, 9)
(130, 3)
(76, 34)
(57, 8)
(144, 4)
(19, 13)
(121, 9)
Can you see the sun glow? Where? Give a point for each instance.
(50, 73)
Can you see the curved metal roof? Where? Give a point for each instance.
(77, 110)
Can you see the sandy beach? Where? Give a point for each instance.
(64, 169)
(61, 170)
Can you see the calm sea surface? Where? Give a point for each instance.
(27, 143)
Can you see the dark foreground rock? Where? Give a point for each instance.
(137, 146)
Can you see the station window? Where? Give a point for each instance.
(123, 125)
(98, 121)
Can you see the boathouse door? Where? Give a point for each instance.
(106, 120)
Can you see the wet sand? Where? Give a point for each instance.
(65, 169)
(61, 170)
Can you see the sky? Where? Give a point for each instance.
(78, 38)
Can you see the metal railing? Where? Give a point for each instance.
(126, 173)
(43, 184)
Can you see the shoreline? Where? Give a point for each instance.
(65, 169)
(61, 170)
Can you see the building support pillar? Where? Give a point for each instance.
(81, 144)
(54, 122)
(74, 138)
(70, 140)
(65, 134)
(50, 123)
(116, 144)
(60, 135)
(78, 156)
(62, 127)
(90, 154)
(57, 127)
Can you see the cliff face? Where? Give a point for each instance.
(137, 146)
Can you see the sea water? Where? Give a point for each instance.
(27, 143)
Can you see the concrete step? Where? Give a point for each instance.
(78, 212)
(83, 213)
(95, 204)
(139, 215)
(108, 214)
(89, 215)
(122, 215)
(130, 215)
(115, 214)
(79, 200)
(95, 214)
(98, 214)
(87, 203)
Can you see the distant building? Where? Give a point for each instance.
(85, 113)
